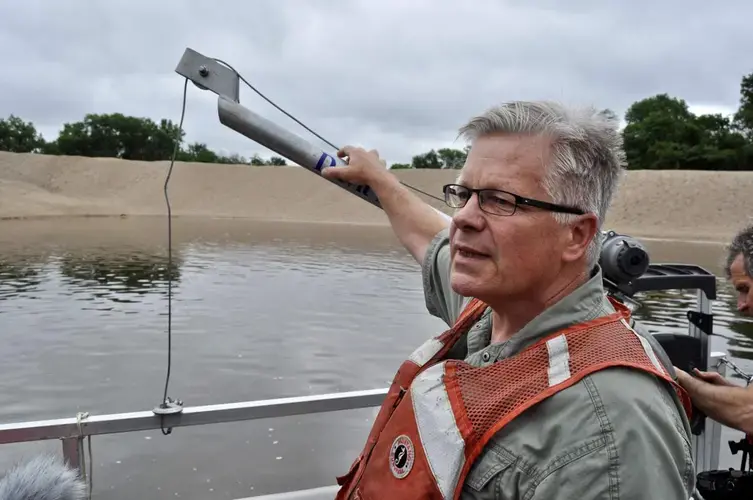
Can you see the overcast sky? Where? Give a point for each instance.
(396, 76)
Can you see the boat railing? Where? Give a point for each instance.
(72, 431)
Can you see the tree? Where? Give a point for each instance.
(657, 131)
(452, 158)
(118, 136)
(662, 133)
(257, 160)
(18, 136)
(427, 160)
(442, 159)
(743, 120)
(198, 152)
(722, 146)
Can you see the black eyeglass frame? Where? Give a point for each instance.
(519, 200)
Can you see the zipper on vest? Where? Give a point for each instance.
(399, 397)
(365, 459)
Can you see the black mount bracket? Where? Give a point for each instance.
(703, 321)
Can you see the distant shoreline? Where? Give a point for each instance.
(665, 236)
(667, 205)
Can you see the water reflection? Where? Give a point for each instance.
(125, 276)
(119, 277)
(741, 345)
(19, 277)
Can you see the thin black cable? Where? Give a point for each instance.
(176, 147)
(241, 78)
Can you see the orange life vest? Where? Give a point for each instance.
(439, 414)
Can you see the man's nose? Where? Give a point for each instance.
(470, 215)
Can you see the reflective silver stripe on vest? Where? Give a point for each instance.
(425, 352)
(559, 360)
(646, 347)
(440, 437)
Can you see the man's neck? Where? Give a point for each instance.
(511, 314)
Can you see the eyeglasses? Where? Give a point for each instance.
(497, 202)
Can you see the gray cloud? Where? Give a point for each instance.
(397, 76)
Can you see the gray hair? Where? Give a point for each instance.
(588, 160)
(742, 244)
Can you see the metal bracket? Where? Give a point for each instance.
(702, 320)
(169, 407)
(73, 452)
(208, 74)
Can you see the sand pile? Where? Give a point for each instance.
(673, 204)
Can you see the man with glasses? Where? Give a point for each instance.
(540, 388)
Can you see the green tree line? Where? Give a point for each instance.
(116, 135)
(660, 133)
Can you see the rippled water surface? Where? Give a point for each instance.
(259, 311)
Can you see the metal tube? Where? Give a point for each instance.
(291, 146)
(72, 451)
(321, 493)
(198, 415)
(285, 143)
(713, 431)
(705, 455)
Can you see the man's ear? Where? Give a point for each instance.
(582, 231)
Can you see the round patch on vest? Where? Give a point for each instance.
(402, 455)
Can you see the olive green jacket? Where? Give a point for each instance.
(616, 434)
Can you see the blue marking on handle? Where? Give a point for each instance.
(320, 163)
(364, 191)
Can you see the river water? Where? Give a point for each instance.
(260, 310)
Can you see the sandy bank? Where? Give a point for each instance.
(670, 204)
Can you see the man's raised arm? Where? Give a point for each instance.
(414, 222)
